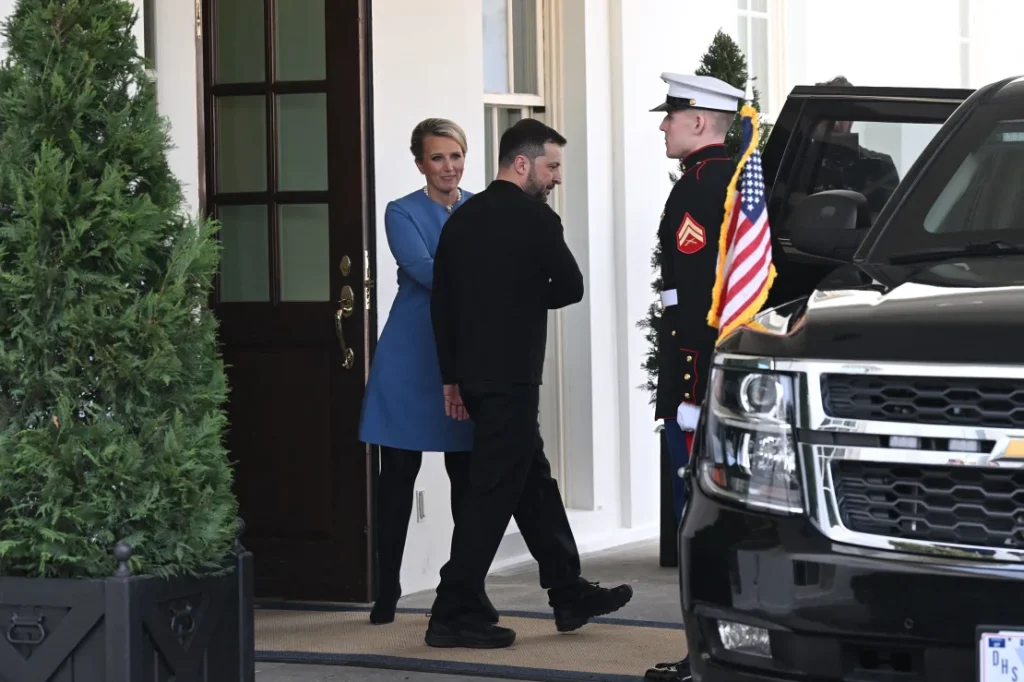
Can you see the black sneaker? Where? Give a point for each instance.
(576, 605)
(670, 672)
(469, 634)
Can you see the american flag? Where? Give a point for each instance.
(745, 270)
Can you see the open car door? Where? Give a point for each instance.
(840, 137)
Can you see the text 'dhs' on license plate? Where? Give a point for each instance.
(1000, 655)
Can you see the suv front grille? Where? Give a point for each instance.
(942, 504)
(955, 401)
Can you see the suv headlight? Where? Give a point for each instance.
(750, 454)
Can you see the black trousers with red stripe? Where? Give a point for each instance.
(679, 444)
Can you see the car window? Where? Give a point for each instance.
(870, 157)
(970, 191)
(975, 198)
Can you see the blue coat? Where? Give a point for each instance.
(403, 406)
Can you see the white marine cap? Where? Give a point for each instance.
(699, 92)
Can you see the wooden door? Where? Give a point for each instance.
(286, 119)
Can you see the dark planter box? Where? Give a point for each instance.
(129, 628)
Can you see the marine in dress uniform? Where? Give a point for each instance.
(689, 232)
(697, 118)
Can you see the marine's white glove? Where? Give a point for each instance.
(687, 416)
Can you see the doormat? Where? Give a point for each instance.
(604, 650)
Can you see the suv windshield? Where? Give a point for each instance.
(971, 193)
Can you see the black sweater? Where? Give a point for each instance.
(501, 264)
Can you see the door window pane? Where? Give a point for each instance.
(245, 254)
(301, 51)
(759, 5)
(305, 252)
(240, 49)
(495, 46)
(302, 142)
(241, 144)
(524, 46)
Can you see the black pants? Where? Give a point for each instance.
(395, 488)
(508, 476)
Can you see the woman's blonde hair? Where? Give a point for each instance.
(437, 127)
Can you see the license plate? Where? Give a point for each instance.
(1000, 655)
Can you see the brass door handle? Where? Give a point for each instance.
(348, 300)
(348, 356)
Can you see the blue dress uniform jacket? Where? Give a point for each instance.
(404, 402)
(689, 234)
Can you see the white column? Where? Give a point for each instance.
(177, 90)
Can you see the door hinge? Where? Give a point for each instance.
(199, 18)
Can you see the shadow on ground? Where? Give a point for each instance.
(655, 598)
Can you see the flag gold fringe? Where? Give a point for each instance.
(714, 318)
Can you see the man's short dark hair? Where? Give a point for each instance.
(527, 138)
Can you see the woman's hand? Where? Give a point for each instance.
(453, 406)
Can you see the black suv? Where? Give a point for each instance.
(856, 491)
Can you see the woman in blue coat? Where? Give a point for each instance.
(404, 404)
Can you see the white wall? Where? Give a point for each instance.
(871, 42)
(997, 49)
(177, 91)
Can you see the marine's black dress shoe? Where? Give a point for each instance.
(467, 633)
(670, 672)
(578, 603)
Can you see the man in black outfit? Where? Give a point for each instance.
(500, 265)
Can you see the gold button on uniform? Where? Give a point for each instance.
(689, 358)
(673, 332)
(686, 395)
(686, 376)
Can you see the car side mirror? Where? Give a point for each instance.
(830, 224)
